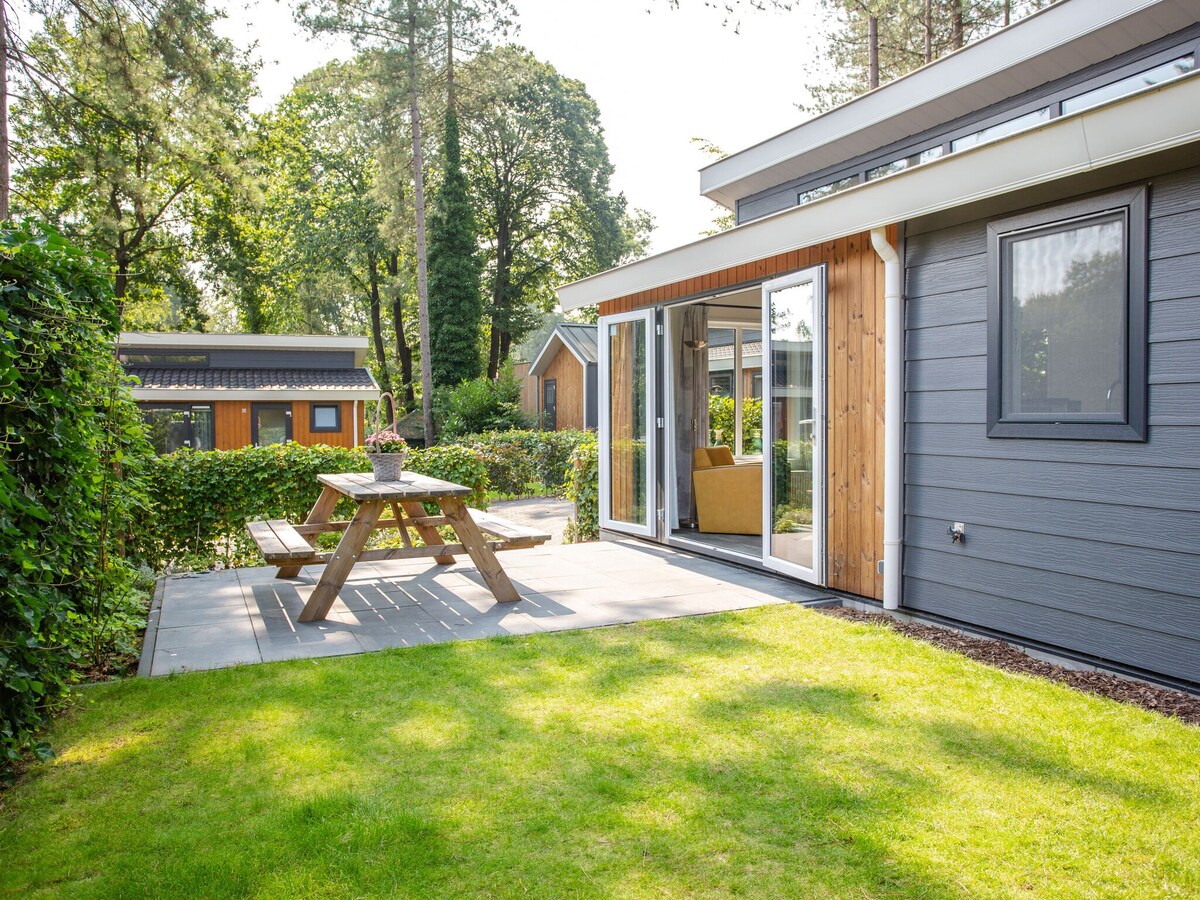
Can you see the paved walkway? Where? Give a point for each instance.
(215, 619)
(547, 514)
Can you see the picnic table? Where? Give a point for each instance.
(293, 546)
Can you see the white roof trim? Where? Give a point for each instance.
(536, 368)
(212, 395)
(199, 341)
(1056, 41)
(1155, 119)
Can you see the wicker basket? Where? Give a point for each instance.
(387, 466)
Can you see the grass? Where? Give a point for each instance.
(774, 752)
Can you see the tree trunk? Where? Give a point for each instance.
(4, 178)
(450, 96)
(505, 348)
(403, 351)
(872, 52)
(494, 350)
(1007, 12)
(419, 209)
(956, 24)
(500, 298)
(928, 31)
(385, 381)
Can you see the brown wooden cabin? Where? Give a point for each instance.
(564, 378)
(225, 391)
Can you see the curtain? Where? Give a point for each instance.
(691, 407)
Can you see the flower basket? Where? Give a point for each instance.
(387, 466)
(386, 449)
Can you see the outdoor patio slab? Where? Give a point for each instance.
(218, 619)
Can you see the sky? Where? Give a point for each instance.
(660, 77)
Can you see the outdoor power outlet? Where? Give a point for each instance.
(958, 532)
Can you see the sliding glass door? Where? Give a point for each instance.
(627, 424)
(794, 424)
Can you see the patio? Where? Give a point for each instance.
(225, 618)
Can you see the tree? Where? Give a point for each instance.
(539, 174)
(408, 34)
(875, 41)
(311, 248)
(455, 304)
(122, 113)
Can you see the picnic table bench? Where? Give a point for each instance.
(293, 546)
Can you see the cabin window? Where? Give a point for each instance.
(166, 359)
(1067, 321)
(325, 417)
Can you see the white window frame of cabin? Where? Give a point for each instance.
(648, 528)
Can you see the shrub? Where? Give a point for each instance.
(72, 459)
(479, 406)
(721, 419)
(583, 487)
(520, 460)
(202, 500)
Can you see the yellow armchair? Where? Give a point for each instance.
(728, 494)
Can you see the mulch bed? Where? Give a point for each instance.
(997, 653)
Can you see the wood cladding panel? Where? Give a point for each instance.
(567, 373)
(231, 422)
(302, 419)
(854, 319)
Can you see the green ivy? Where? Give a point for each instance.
(72, 462)
(583, 487)
(202, 500)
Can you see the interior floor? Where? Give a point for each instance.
(746, 544)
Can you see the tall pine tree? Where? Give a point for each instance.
(455, 302)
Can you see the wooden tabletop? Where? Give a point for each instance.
(409, 486)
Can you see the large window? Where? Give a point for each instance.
(173, 426)
(1067, 321)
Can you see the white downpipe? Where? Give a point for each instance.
(354, 416)
(893, 419)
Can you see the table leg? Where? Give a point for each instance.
(428, 533)
(404, 538)
(481, 554)
(344, 557)
(318, 515)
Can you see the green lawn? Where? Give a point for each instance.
(772, 753)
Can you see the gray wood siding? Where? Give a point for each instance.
(281, 359)
(1087, 545)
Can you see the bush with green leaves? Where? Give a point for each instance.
(722, 424)
(201, 501)
(72, 462)
(478, 406)
(521, 462)
(583, 487)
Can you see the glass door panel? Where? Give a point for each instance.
(627, 491)
(793, 417)
(270, 424)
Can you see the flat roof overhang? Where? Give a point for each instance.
(1052, 43)
(1150, 121)
(211, 395)
(192, 340)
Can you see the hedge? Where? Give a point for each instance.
(201, 501)
(583, 487)
(72, 460)
(520, 461)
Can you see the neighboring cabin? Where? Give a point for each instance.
(978, 289)
(224, 391)
(562, 379)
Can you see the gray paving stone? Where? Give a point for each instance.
(199, 657)
(220, 619)
(235, 629)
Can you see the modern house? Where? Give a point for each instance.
(224, 391)
(564, 378)
(978, 292)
